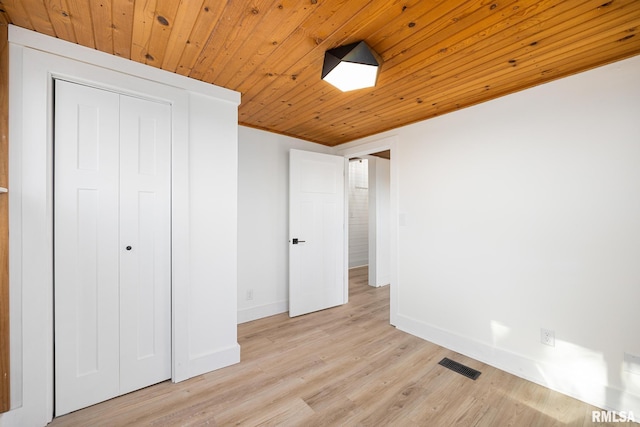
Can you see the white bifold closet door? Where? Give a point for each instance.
(112, 250)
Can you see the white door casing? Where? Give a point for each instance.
(316, 221)
(111, 190)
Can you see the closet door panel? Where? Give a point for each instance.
(145, 243)
(86, 170)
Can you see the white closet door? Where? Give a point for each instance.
(86, 246)
(145, 228)
(112, 227)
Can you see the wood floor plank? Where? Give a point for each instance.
(344, 366)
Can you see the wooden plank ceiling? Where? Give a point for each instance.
(439, 55)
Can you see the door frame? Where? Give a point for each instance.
(35, 153)
(362, 149)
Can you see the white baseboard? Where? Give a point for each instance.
(601, 396)
(260, 311)
(215, 360)
(380, 285)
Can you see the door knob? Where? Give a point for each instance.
(128, 248)
(296, 241)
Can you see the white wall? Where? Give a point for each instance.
(523, 213)
(204, 217)
(379, 221)
(263, 221)
(358, 212)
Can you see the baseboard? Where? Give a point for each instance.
(383, 281)
(26, 416)
(351, 267)
(260, 311)
(601, 396)
(215, 360)
(380, 285)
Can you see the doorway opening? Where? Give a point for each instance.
(369, 240)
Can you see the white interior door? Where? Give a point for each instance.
(316, 232)
(112, 245)
(145, 228)
(86, 246)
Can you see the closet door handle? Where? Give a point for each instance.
(128, 248)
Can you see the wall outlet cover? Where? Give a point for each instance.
(548, 337)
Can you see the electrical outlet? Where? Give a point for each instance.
(548, 337)
(249, 295)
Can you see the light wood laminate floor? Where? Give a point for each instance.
(344, 366)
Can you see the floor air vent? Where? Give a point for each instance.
(460, 368)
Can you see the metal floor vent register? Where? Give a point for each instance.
(460, 368)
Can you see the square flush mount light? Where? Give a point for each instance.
(350, 67)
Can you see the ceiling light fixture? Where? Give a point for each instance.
(351, 67)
